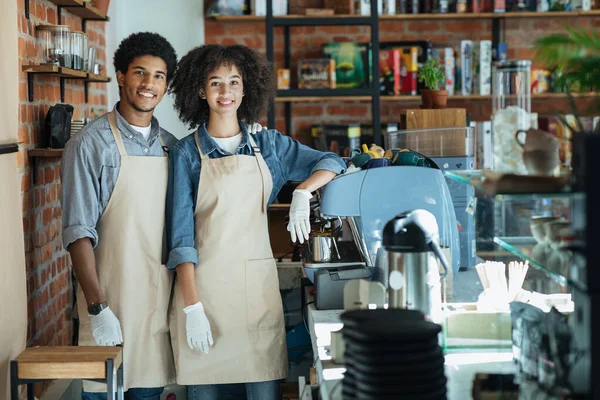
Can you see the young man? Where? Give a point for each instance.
(114, 182)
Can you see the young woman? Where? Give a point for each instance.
(227, 326)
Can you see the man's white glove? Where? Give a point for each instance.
(254, 128)
(197, 328)
(299, 225)
(106, 328)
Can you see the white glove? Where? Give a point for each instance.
(197, 328)
(299, 225)
(106, 328)
(254, 128)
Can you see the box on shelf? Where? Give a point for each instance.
(339, 139)
(540, 81)
(466, 68)
(433, 142)
(283, 78)
(340, 6)
(363, 7)
(259, 7)
(408, 70)
(389, 72)
(482, 6)
(482, 67)
(316, 73)
(352, 63)
(424, 53)
(417, 118)
(434, 133)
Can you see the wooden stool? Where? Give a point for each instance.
(94, 363)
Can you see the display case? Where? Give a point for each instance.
(527, 291)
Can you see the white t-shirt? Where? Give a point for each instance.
(229, 144)
(144, 130)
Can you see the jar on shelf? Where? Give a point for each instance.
(54, 45)
(78, 50)
(511, 112)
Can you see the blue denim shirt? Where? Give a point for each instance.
(287, 159)
(90, 167)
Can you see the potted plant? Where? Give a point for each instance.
(432, 75)
(576, 54)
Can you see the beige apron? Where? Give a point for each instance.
(128, 259)
(236, 278)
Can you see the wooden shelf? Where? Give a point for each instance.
(97, 78)
(401, 17)
(417, 98)
(307, 99)
(63, 73)
(46, 153)
(528, 14)
(55, 71)
(81, 9)
(275, 207)
(550, 14)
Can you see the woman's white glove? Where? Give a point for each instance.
(106, 328)
(197, 327)
(254, 128)
(299, 225)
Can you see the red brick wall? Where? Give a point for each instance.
(49, 283)
(306, 42)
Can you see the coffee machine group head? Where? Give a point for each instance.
(414, 282)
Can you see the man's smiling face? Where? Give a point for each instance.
(144, 84)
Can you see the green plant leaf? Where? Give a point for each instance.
(431, 74)
(575, 58)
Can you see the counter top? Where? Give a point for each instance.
(461, 366)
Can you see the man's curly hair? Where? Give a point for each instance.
(145, 44)
(192, 73)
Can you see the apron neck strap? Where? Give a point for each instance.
(112, 121)
(255, 148)
(264, 171)
(163, 145)
(196, 135)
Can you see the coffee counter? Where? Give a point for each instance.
(461, 366)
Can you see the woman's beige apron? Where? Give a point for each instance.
(236, 278)
(128, 259)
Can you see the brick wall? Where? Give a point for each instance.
(49, 283)
(306, 42)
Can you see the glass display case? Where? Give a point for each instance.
(525, 290)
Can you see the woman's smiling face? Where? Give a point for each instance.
(224, 91)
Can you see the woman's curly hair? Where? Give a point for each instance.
(145, 44)
(192, 73)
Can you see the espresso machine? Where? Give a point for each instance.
(366, 200)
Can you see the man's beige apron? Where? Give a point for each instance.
(236, 278)
(135, 284)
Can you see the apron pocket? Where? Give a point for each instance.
(160, 320)
(264, 309)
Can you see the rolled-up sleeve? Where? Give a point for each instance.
(300, 161)
(180, 210)
(80, 193)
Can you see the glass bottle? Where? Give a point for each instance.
(511, 112)
(54, 45)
